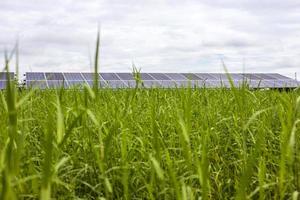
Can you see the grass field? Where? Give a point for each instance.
(149, 144)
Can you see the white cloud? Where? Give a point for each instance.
(165, 35)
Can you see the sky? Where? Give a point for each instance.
(155, 35)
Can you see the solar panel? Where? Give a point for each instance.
(76, 83)
(294, 83)
(168, 84)
(252, 83)
(126, 76)
(159, 76)
(54, 76)
(165, 80)
(251, 77)
(280, 84)
(3, 75)
(212, 83)
(90, 76)
(151, 84)
(265, 76)
(3, 84)
(268, 84)
(73, 77)
(225, 84)
(191, 76)
(181, 83)
(146, 84)
(238, 83)
(225, 77)
(56, 83)
(109, 76)
(90, 83)
(145, 76)
(36, 84)
(287, 83)
(236, 76)
(259, 84)
(203, 76)
(279, 76)
(35, 76)
(103, 84)
(189, 83)
(175, 76)
(116, 84)
(130, 83)
(3, 79)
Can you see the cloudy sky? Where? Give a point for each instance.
(157, 35)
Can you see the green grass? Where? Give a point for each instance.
(149, 144)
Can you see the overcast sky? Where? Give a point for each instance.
(157, 35)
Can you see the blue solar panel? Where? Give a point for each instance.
(167, 80)
(35, 76)
(225, 77)
(2, 85)
(73, 76)
(293, 83)
(235, 76)
(175, 76)
(76, 83)
(90, 83)
(109, 76)
(54, 76)
(238, 83)
(146, 77)
(116, 84)
(279, 77)
(3, 79)
(130, 83)
(212, 83)
(279, 84)
(286, 83)
(91, 76)
(265, 77)
(168, 84)
(151, 84)
(268, 84)
(252, 76)
(203, 76)
(126, 76)
(159, 76)
(225, 84)
(191, 76)
(56, 83)
(3, 75)
(184, 84)
(36, 84)
(258, 84)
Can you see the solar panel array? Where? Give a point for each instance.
(165, 80)
(3, 79)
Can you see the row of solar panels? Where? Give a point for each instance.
(124, 80)
(151, 76)
(163, 84)
(165, 80)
